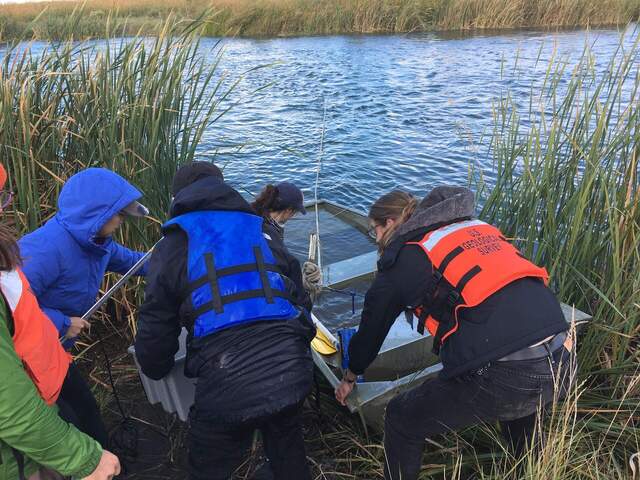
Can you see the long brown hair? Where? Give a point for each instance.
(267, 201)
(396, 205)
(9, 250)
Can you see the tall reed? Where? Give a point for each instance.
(567, 187)
(568, 190)
(138, 106)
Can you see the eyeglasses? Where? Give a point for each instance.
(6, 197)
(371, 231)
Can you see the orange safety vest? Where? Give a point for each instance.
(476, 260)
(35, 338)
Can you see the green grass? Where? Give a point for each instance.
(138, 107)
(311, 17)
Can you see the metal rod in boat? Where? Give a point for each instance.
(121, 281)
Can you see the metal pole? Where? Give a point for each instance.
(121, 281)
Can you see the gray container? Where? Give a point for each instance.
(175, 391)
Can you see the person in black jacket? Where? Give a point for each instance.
(499, 331)
(278, 204)
(219, 275)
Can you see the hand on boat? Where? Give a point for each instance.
(343, 391)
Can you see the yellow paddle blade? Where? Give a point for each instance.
(322, 344)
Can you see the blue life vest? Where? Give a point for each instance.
(233, 278)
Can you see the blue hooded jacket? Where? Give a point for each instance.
(63, 260)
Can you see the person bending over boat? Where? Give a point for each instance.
(65, 261)
(499, 330)
(218, 273)
(35, 443)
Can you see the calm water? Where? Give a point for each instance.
(401, 111)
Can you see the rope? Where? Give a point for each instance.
(312, 268)
(312, 279)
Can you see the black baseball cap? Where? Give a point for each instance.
(192, 172)
(290, 196)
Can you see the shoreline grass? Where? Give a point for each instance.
(269, 18)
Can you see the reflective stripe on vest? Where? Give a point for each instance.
(477, 260)
(232, 273)
(35, 338)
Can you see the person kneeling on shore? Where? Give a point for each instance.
(217, 273)
(499, 330)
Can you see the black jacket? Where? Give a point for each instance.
(520, 314)
(243, 372)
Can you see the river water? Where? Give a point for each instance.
(408, 111)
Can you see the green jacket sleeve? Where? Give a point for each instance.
(30, 426)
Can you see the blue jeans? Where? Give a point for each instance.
(509, 392)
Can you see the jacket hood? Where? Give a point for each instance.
(441, 205)
(209, 193)
(89, 199)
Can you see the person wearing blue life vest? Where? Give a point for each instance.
(65, 261)
(218, 273)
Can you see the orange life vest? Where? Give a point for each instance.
(35, 338)
(476, 260)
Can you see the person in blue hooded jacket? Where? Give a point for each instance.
(65, 261)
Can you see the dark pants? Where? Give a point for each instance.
(509, 392)
(215, 451)
(77, 406)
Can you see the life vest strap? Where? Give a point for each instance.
(466, 278)
(224, 272)
(212, 276)
(449, 258)
(266, 287)
(430, 297)
(245, 295)
(451, 300)
(212, 280)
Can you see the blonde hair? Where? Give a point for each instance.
(396, 205)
